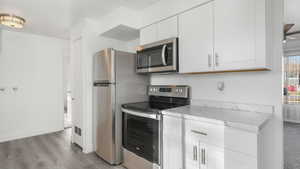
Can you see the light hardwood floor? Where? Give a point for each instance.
(51, 151)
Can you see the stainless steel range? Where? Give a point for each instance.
(142, 124)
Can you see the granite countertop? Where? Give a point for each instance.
(241, 119)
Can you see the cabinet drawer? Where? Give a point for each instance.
(241, 141)
(208, 133)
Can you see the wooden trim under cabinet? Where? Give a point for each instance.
(228, 71)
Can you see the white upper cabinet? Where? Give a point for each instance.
(196, 40)
(165, 29)
(235, 34)
(220, 35)
(148, 34)
(224, 35)
(168, 28)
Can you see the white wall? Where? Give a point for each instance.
(33, 64)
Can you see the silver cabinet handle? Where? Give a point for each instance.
(209, 60)
(195, 153)
(199, 132)
(163, 55)
(203, 158)
(217, 59)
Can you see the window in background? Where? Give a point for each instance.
(292, 80)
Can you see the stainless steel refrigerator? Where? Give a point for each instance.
(115, 83)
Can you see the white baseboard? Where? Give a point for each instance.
(21, 135)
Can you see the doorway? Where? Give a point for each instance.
(67, 91)
(68, 111)
(291, 107)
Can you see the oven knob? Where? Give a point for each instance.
(151, 90)
(177, 90)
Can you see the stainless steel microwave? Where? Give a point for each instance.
(158, 57)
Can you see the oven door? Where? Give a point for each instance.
(158, 57)
(141, 136)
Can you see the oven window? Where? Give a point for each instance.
(140, 136)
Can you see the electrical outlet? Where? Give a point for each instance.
(221, 86)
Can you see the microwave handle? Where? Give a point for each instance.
(163, 55)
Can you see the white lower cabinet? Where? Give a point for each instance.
(172, 143)
(236, 160)
(197, 144)
(200, 155)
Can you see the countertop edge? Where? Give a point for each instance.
(237, 125)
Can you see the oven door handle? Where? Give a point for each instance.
(163, 55)
(140, 114)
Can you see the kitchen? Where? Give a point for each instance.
(239, 48)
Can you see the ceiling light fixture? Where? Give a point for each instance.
(12, 21)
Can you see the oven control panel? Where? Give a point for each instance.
(169, 91)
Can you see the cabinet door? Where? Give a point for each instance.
(168, 28)
(201, 155)
(148, 34)
(235, 34)
(192, 149)
(172, 143)
(236, 160)
(214, 157)
(196, 40)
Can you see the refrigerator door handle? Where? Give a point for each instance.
(102, 84)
